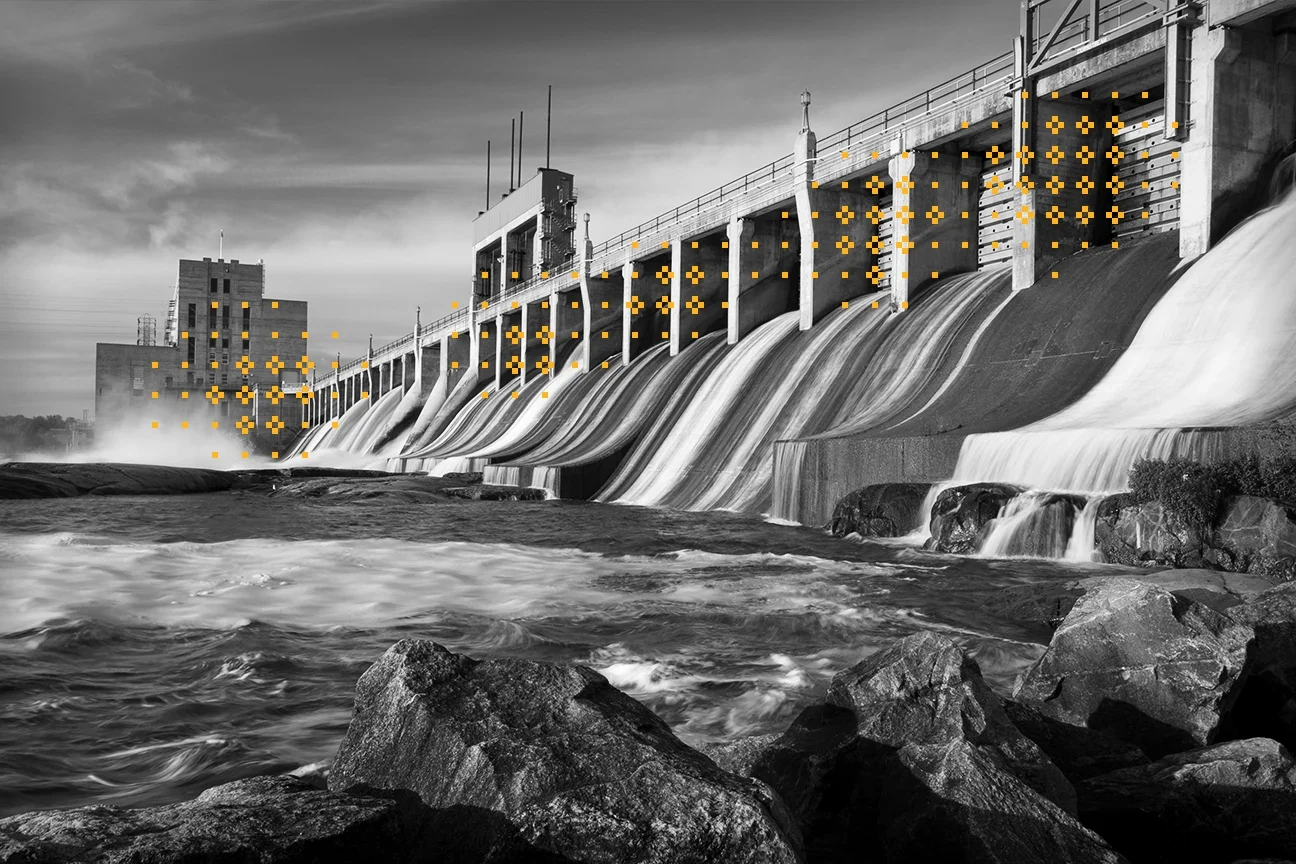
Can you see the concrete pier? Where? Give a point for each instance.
(934, 194)
(835, 258)
(510, 348)
(567, 321)
(699, 288)
(647, 286)
(1243, 109)
(764, 268)
(604, 294)
(1104, 127)
(1066, 203)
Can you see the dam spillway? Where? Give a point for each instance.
(924, 296)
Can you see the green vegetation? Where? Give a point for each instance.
(1194, 491)
(19, 434)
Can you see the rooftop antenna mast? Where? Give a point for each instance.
(488, 174)
(220, 256)
(548, 125)
(512, 129)
(521, 117)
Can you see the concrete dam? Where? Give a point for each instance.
(1075, 255)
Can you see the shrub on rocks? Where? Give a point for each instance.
(1238, 515)
(1213, 805)
(521, 760)
(1151, 668)
(912, 758)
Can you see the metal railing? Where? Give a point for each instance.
(869, 140)
(775, 180)
(1099, 24)
(750, 181)
(859, 141)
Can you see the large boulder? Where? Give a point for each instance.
(68, 480)
(1152, 668)
(268, 820)
(912, 758)
(961, 513)
(1128, 532)
(1218, 804)
(1034, 525)
(1050, 602)
(520, 759)
(482, 492)
(1267, 706)
(1078, 752)
(1251, 535)
(1257, 535)
(882, 510)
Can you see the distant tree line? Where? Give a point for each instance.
(20, 434)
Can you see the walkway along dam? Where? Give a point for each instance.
(1074, 255)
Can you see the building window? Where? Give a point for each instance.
(245, 346)
(190, 340)
(226, 286)
(169, 382)
(211, 319)
(193, 317)
(225, 342)
(213, 285)
(247, 319)
(224, 317)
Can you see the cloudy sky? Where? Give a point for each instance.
(345, 143)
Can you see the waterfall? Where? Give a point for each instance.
(1031, 525)
(1218, 350)
(1081, 545)
(788, 459)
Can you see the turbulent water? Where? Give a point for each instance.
(151, 647)
(1218, 350)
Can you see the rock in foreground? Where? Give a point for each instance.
(267, 820)
(912, 758)
(68, 480)
(1152, 668)
(484, 492)
(1210, 806)
(518, 760)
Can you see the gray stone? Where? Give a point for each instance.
(1151, 668)
(567, 763)
(1050, 602)
(1259, 536)
(912, 758)
(884, 510)
(1217, 804)
(267, 820)
(484, 492)
(740, 756)
(961, 513)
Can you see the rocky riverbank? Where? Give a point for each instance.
(1157, 726)
(1190, 517)
(31, 480)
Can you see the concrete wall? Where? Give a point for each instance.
(1243, 98)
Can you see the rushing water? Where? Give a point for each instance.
(151, 647)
